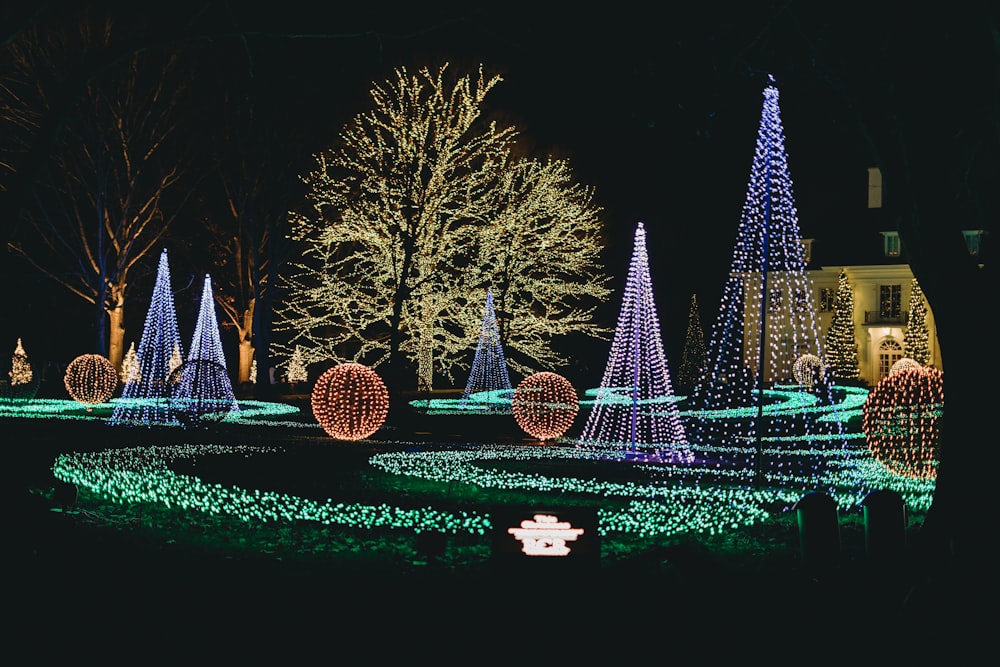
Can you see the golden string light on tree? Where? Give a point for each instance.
(545, 405)
(901, 419)
(91, 379)
(350, 401)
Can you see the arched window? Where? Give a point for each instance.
(889, 352)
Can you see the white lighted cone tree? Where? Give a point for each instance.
(767, 317)
(693, 357)
(297, 371)
(419, 207)
(915, 339)
(147, 401)
(201, 387)
(634, 407)
(20, 367)
(489, 367)
(130, 366)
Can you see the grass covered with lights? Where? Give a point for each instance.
(388, 499)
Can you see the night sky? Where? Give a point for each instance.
(658, 113)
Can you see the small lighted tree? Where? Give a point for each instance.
(634, 405)
(695, 352)
(147, 401)
(202, 387)
(20, 367)
(916, 336)
(841, 344)
(489, 366)
(297, 371)
(130, 366)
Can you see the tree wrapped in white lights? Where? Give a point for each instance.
(297, 371)
(767, 317)
(489, 367)
(201, 387)
(20, 367)
(634, 406)
(916, 336)
(695, 352)
(130, 366)
(419, 208)
(841, 344)
(147, 401)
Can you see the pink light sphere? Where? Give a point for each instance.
(901, 419)
(350, 401)
(90, 379)
(545, 405)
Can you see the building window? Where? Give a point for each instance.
(827, 299)
(890, 302)
(800, 303)
(774, 301)
(892, 245)
(889, 352)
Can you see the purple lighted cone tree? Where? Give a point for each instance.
(146, 401)
(767, 319)
(201, 385)
(635, 404)
(489, 366)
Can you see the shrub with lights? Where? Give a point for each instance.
(350, 401)
(545, 405)
(24, 382)
(901, 420)
(903, 364)
(91, 379)
(809, 370)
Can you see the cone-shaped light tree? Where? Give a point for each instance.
(634, 405)
(489, 366)
(767, 318)
(693, 358)
(147, 401)
(916, 336)
(20, 367)
(841, 344)
(201, 386)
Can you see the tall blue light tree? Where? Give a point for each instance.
(489, 367)
(201, 385)
(635, 405)
(767, 317)
(147, 401)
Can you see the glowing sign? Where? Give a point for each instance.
(545, 535)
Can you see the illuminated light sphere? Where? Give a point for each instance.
(350, 401)
(807, 369)
(545, 405)
(90, 379)
(904, 364)
(901, 420)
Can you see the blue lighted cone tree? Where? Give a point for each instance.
(767, 317)
(489, 368)
(147, 400)
(201, 387)
(635, 406)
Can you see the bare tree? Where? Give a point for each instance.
(100, 202)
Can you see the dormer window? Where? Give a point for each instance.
(972, 237)
(891, 241)
(807, 250)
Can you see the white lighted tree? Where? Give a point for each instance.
(297, 371)
(693, 357)
(489, 367)
(20, 367)
(841, 344)
(130, 366)
(413, 214)
(916, 336)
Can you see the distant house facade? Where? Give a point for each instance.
(881, 293)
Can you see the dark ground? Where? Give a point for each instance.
(77, 587)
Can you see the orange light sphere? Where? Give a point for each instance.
(901, 419)
(545, 405)
(350, 401)
(90, 379)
